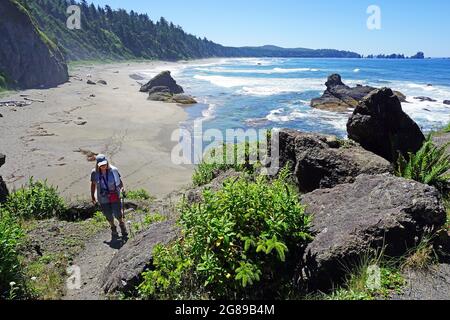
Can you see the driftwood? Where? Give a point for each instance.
(14, 103)
(34, 100)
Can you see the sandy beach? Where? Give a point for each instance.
(52, 139)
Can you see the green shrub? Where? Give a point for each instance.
(361, 283)
(235, 244)
(36, 201)
(429, 165)
(139, 194)
(206, 172)
(11, 235)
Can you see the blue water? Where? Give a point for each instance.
(268, 93)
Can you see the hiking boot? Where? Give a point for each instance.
(124, 231)
(114, 233)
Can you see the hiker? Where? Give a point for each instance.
(106, 180)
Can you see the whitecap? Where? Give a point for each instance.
(264, 86)
(257, 71)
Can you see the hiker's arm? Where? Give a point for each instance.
(93, 187)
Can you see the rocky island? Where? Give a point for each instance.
(164, 88)
(339, 97)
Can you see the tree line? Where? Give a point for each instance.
(118, 34)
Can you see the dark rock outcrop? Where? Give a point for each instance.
(2, 159)
(164, 79)
(27, 57)
(3, 189)
(380, 125)
(124, 272)
(91, 82)
(321, 161)
(372, 213)
(447, 102)
(425, 99)
(80, 210)
(103, 82)
(339, 97)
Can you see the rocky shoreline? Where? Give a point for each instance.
(338, 97)
(358, 206)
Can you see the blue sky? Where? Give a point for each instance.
(407, 26)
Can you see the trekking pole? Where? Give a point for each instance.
(124, 195)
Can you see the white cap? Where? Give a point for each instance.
(103, 163)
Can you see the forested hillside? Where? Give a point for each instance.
(118, 34)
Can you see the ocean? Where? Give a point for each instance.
(276, 93)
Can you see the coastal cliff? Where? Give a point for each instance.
(28, 59)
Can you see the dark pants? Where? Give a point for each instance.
(111, 211)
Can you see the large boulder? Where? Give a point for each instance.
(374, 212)
(3, 189)
(124, 272)
(339, 97)
(164, 79)
(160, 96)
(321, 161)
(183, 99)
(27, 57)
(380, 125)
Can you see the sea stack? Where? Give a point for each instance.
(380, 125)
(164, 88)
(339, 97)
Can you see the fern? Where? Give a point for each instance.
(429, 165)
